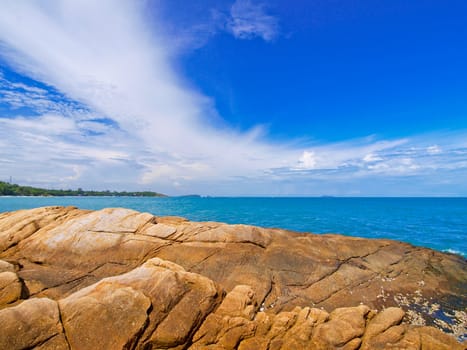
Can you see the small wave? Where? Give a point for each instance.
(453, 251)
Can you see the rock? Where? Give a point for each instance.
(382, 322)
(6, 267)
(239, 303)
(156, 305)
(124, 279)
(181, 301)
(21, 224)
(305, 328)
(33, 323)
(10, 288)
(85, 237)
(406, 337)
(344, 325)
(230, 323)
(105, 316)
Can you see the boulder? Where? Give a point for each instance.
(34, 323)
(10, 288)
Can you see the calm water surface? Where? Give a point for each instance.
(438, 223)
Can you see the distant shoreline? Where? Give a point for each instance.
(14, 190)
(80, 196)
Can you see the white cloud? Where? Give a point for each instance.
(122, 71)
(371, 157)
(395, 167)
(249, 20)
(345, 154)
(435, 149)
(126, 120)
(18, 95)
(307, 160)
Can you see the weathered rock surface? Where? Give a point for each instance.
(32, 323)
(10, 288)
(119, 279)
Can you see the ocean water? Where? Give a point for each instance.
(438, 223)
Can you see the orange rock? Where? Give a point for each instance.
(10, 288)
(33, 323)
(125, 279)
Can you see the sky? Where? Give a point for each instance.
(235, 98)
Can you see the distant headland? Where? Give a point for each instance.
(8, 189)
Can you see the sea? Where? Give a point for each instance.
(437, 223)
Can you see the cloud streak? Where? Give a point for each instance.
(113, 113)
(123, 73)
(249, 20)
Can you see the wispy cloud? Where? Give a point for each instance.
(122, 72)
(37, 99)
(112, 112)
(249, 20)
(243, 19)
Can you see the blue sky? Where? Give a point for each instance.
(240, 97)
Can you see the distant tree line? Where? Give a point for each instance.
(7, 189)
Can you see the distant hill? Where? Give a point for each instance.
(7, 189)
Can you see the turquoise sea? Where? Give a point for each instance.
(438, 223)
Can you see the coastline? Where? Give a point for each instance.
(434, 223)
(284, 270)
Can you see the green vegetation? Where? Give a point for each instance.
(7, 189)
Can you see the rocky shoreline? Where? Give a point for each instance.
(120, 279)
